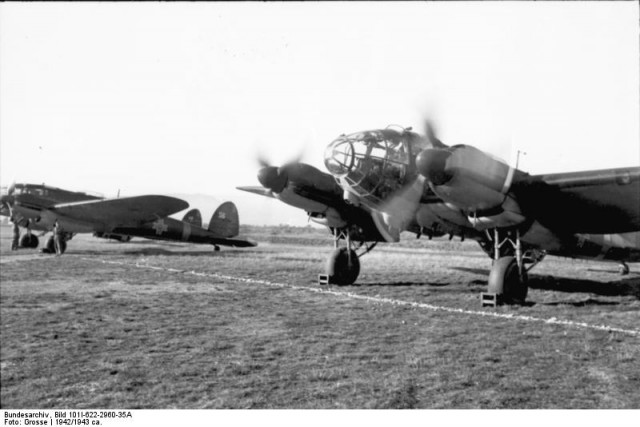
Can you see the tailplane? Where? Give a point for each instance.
(193, 217)
(224, 221)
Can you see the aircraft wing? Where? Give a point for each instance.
(599, 202)
(121, 211)
(257, 190)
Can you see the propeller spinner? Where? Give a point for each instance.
(273, 178)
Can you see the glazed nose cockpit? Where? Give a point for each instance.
(373, 164)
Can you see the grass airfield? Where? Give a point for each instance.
(165, 325)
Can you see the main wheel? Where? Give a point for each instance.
(505, 281)
(29, 241)
(49, 247)
(343, 267)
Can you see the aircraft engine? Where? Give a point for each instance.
(300, 175)
(466, 177)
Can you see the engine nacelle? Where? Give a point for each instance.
(466, 177)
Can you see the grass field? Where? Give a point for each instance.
(99, 328)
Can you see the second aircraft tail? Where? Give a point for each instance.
(225, 221)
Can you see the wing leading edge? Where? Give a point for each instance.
(121, 211)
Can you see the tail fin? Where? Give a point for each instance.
(224, 221)
(193, 217)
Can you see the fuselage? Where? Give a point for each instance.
(592, 214)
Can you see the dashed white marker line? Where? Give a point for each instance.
(380, 300)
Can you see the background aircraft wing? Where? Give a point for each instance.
(599, 202)
(124, 210)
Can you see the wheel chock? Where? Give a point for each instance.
(323, 279)
(489, 299)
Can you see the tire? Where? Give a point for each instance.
(49, 247)
(29, 241)
(340, 271)
(505, 281)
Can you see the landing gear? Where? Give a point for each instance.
(216, 248)
(507, 282)
(508, 277)
(50, 246)
(623, 269)
(29, 240)
(343, 266)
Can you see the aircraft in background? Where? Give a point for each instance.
(383, 182)
(37, 207)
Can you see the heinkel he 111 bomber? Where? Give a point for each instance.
(383, 182)
(37, 207)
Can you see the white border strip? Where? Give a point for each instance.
(510, 316)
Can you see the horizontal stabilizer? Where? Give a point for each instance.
(235, 243)
(225, 221)
(193, 217)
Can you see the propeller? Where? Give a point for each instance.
(430, 133)
(431, 163)
(275, 178)
(400, 208)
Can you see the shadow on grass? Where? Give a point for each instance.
(584, 303)
(625, 287)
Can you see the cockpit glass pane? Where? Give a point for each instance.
(374, 164)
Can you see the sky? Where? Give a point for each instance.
(182, 98)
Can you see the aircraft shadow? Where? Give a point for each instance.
(625, 287)
(585, 303)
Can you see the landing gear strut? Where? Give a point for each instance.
(343, 265)
(50, 247)
(508, 277)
